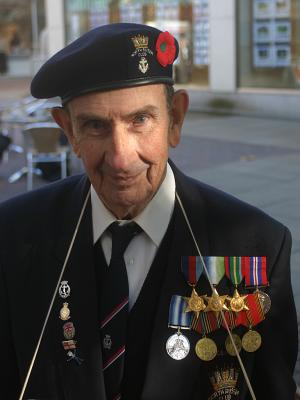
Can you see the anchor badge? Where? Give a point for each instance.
(143, 65)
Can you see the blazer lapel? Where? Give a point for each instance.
(81, 377)
(165, 377)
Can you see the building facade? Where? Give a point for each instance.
(233, 51)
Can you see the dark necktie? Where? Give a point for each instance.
(114, 309)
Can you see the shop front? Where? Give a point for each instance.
(269, 44)
(187, 20)
(21, 31)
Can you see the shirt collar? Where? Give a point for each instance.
(154, 219)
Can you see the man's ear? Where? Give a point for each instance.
(180, 103)
(62, 117)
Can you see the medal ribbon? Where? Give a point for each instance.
(256, 271)
(234, 269)
(207, 322)
(178, 318)
(231, 318)
(192, 268)
(215, 268)
(254, 315)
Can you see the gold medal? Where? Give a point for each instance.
(251, 341)
(195, 303)
(206, 349)
(229, 346)
(216, 303)
(237, 303)
(64, 313)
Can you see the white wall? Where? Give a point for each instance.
(222, 75)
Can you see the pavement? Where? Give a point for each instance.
(255, 159)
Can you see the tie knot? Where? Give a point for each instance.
(122, 234)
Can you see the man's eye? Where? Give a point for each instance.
(140, 119)
(94, 124)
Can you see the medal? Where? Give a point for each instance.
(264, 300)
(234, 269)
(64, 313)
(195, 303)
(178, 346)
(229, 346)
(251, 341)
(206, 349)
(192, 268)
(237, 302)
(216, 303)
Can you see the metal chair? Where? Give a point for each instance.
(42, 144)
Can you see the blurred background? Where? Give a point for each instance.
(239, 61)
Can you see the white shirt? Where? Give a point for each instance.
(154, 221)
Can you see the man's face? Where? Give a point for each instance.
(122, 137)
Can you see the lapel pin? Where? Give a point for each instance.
(64, 289)
(64, 313)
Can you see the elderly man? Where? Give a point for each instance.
(134, 281)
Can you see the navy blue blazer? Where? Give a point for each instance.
(35, 232)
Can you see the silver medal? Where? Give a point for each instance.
(64, 289)
(178, 346)
(264, 300)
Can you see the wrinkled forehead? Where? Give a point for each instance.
(120, 101)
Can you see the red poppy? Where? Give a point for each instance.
(165, 48)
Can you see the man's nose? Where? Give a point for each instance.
(121, 152)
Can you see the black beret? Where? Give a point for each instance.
(108, 57)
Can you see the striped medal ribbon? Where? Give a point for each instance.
(234, 269)
(192, 269)
(255, 271)
(215, 268)
(207, 322)
(178, 317)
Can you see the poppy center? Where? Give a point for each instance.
(163, 47)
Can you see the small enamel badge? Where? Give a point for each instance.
(64, 290)
(64, 313)
(69, 330)
(107, 342)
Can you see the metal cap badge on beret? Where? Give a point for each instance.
(105, 58)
